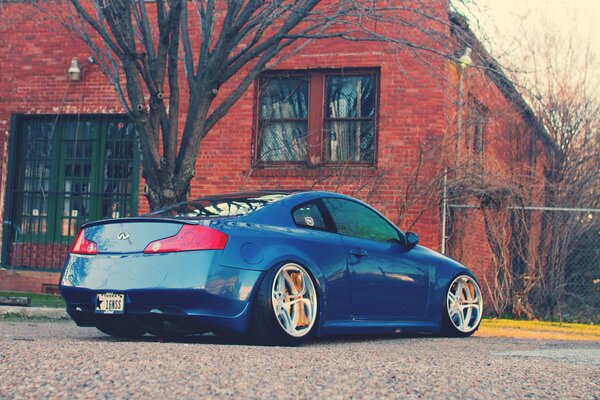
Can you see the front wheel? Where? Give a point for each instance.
(285, 307)
(463, 307)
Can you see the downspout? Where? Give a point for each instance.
(444, 209)
(459, 112)
(463, 62)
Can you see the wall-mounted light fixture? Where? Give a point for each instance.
(465, 60)
(74, 74)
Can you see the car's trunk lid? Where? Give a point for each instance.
(130, 235)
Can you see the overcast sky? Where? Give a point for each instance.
(504, 22)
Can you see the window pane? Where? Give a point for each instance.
(350, 97)
(349, 119)
(283, 119)
(283, 98)
(117, 172)
(283, 141)
(37, 149)
(309, 216)
(78, 145)
(349, 141)
(477, 116)
(356, 220)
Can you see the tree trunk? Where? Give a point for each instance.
(167, 184)
(164, 193)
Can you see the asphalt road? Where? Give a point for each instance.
(60, 360)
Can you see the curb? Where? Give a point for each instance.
(34, 312)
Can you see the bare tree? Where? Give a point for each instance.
(545, 260)
(565, 93)
(222, 46)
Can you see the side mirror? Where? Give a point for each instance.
(412, 239)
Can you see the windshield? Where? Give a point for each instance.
(212, 207)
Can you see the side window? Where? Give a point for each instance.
(356, 220)
(283, 119)
(309, 216)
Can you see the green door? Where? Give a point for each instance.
(65, 171)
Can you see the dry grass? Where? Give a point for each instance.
(539, 330)
(39, 300)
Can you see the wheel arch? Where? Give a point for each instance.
(443, 305)
(313, 270)
(445, 273)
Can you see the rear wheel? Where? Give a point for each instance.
(463, 307)
(285, 307)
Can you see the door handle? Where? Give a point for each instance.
(358, 252)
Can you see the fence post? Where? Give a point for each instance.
(444, 209)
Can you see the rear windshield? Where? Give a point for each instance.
(213, 207)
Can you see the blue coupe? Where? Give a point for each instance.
(279, 266)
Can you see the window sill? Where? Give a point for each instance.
(318, 171)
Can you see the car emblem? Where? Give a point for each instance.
(309, 221)
(123, 235)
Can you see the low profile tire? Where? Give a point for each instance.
(285, 307)
(463, 307)
(121, 329)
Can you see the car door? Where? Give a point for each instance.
(385, 281)
(325, 245)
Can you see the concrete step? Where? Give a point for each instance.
(27, 312)
(15, 301)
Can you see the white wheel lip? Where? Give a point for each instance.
(312, 298)
(455, 306)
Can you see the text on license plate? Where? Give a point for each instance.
(110, 303)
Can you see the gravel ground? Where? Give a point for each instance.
(60, 360)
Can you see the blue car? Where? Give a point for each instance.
(278, 266)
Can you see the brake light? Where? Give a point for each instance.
(83, 246)
(189, 237)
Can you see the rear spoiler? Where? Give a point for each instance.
(144, 219)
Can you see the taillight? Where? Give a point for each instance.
(189, 237)
(83, 246)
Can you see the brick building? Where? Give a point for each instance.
(362, 118)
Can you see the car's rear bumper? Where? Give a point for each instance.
(158, 310)
(188, 291)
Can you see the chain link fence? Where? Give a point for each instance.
(533, 262)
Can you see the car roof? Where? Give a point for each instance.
(287, 193)
(284, 196)
(267, 196)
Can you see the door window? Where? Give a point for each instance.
(354, 219)
(71, 170)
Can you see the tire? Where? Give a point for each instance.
(462, 308)
(281, 318)
(120, 329)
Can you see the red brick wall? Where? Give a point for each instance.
(51, 256)
(27, 281)
(38, 53)
(508, 161)
(35, 53)
(415, 108)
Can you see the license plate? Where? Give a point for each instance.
(110, 303)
